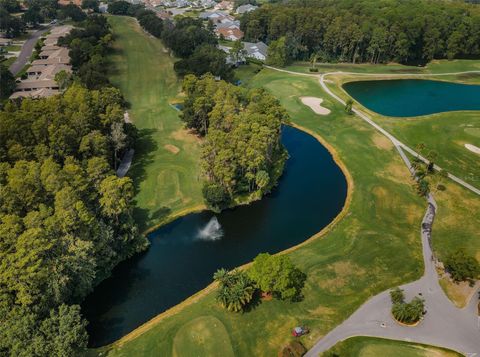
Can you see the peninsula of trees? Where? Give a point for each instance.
(242, 155)
(366, 31)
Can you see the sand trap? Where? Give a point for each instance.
(473, 148)
(315, 104)
(172, 148)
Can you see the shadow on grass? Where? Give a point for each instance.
(145, 218)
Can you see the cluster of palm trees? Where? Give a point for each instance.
(408, 313)
(236, 289)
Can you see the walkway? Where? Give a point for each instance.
(367, 119)
(444, 324)
(26, 51)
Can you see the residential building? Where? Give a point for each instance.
(232, 34)
(256, 50)
(245, 8)
(40, 81)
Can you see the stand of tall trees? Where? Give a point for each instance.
(406, 31)
(242, 153)
(65, 217)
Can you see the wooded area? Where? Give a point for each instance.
(366, 31)
(242, 152)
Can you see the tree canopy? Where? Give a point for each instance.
(276, 274)
(242, 152)
(462, 266)
(65, 217)
(367, 31)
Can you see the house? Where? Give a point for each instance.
(40, 80)
(68, 2)
(243, 9)
(224, 5)
(232, 34)
(216, 16)
(256, 50)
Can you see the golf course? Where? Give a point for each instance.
(372, 245)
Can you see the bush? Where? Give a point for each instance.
(397, 296)
(409, 313)
(215, 196)
(461, 266)
(313, 69)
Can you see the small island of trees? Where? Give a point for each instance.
(242, 155)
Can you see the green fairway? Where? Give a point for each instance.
(166, 163)
(376, 347)
(436, 66)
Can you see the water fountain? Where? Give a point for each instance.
(212, 230)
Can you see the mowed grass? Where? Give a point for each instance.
(436, 66)
(166, 163)
(378, 347)
(446, 133)
(204, 336)
(374, 247)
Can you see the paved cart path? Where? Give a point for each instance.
(444, 324)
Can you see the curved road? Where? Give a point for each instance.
(26, 52)
(444, 324)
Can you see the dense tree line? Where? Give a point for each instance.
(65, 217)
(406, 31)
(88, 47)
(38, 11)
(188, 38)
(242, 153)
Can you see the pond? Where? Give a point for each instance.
(185, 253)
(414, 97)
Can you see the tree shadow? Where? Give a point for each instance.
(255, 302)
(145, 218)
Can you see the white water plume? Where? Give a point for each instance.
(211, 231)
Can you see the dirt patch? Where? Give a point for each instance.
(459, 293)
(185, 135)
(315, 104)
(172, 148)
(398, 172)
(382, 142)
(344, 272)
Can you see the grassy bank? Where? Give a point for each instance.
(373, 347)
(165, 166)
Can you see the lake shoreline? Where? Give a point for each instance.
(209, 288)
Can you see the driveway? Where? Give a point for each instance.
(27, 50)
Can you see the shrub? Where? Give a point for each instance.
(215, 196)
(397, 296)
(313, 69)
(461, 266)
(408, 313)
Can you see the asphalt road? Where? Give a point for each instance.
(26, 51)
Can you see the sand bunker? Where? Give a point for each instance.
(315, 104)
(172, 148)
(473, 148)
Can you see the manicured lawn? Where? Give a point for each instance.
(375, 347)
(437, 66)
(165, 166)
(375, 246)
(446, 133)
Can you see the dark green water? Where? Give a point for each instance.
(184, 255)
(414, 97)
